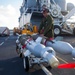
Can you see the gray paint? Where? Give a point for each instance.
(31, 3)
(62, 4)
(70, 6)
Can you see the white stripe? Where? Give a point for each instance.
(1, 43)
(45, 70)
(62, 59)
(73, 59)
(6, 38)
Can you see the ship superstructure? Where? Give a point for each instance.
(30, 6)
(31, 11)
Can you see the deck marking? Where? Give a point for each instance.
(4, 42)
(6, 38)
(1, 43)
(45, 70)
(62, 59)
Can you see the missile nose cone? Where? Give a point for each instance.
(55, 64)
(53, 61)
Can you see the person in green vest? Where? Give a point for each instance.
(46, 27)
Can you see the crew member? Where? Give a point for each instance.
(46, 27)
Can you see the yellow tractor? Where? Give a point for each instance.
(29, 29)
(16, 30)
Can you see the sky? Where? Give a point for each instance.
(9, 12)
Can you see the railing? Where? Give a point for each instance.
(32, 9)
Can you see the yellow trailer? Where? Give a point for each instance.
(29, 29)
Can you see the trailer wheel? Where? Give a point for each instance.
(74, 31)
(26, 64)
(50, 67)
(17, 50)
(57, 30)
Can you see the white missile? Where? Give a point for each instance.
(40, 51)
(73, 53)
(61, 47)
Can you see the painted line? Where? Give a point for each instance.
(6, 38)
(4, 42)
(45, 70)
(1, 43)
(62, 59)
(73, 58)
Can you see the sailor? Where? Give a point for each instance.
(46, 27)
